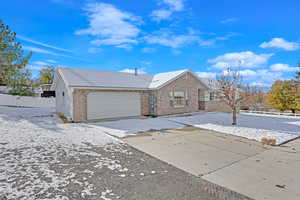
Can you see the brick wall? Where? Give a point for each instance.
(186, 82)
(80, 102)
(145, 103)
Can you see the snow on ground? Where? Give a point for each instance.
(255, 127)
(39, 126)
(33, 140)
(272, 115)
(249, 126)
(42, 158)
(123, 128)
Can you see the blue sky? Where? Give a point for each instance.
(260, 37)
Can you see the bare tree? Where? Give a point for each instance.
(232, 93)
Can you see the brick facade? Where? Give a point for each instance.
(188, 82)
(80, 102)
(145, 109)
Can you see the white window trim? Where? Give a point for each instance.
(185, 96)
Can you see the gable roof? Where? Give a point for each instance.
(161, 79)
(210, 83)
(108, 79)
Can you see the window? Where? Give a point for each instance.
(202, 95)
(178, 98)
(211, 96)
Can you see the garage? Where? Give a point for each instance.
(104, 105)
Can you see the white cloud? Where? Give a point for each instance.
(268, 77)
(39, 50)
(245, 59)
(132, 71)
(44, 51)
(143, 62)
(248, 73)
(171, 6)
(176, 5)
(94, 50)
(260, 77)
(228, 20)
(281, 44)
(42, 44)
(283, 68)
(162, 14)
(169, 39)
(207, 74)
(110, 25)
(259, 84)
(124, 46)
(51, 61)
(35, 67)
(40, 63)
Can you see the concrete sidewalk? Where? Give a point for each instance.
(244, 166)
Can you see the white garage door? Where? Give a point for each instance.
(101, 105)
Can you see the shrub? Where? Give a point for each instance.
(22, 91)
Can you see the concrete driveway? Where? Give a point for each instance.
(247, 167)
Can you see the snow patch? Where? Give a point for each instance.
(249, 126)
(33, 140)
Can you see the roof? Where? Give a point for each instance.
(162, 78)
(108, 79)
(211, 83)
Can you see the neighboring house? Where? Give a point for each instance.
(46, 90)
(211, 99)
(46, 87)
(86, 95)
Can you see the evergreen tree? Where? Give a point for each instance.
(12, 60)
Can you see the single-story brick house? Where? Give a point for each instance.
(88, 95)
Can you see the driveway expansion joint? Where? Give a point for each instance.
(231, 164)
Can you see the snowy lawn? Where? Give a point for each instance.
(255, 127)
(41, 158)
(33, 142)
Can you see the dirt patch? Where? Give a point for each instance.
(188, 129)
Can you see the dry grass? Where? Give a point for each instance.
(64, 118)
(267, 141)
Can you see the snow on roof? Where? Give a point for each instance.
(162, 78)
(211, 83)
(97, 78)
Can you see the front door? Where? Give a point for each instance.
(201, 100)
